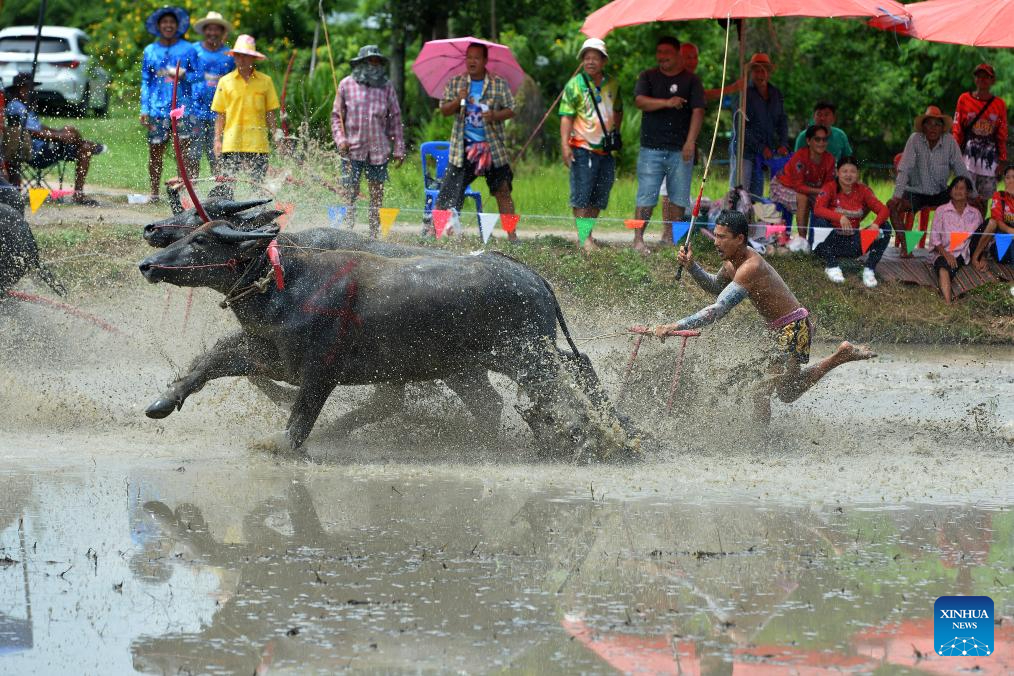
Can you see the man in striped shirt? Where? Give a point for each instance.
(365, 122)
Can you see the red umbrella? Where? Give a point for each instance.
(633, 12)
(980, 23)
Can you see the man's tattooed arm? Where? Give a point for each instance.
(707, 281)
(730, 297)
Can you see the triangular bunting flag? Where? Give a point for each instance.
(509, 222)
(336, 214)
(958, 238)
(774, 229)
(57, 194)
(186, 202)
(912, 238)
(36, 196)
(584, 228)
(867, 237)
(287, 209)
(440, 219)
(633, 223)
(679, 229)
(486, 224)
(819, 235)
(387, 218)
(1002, 244)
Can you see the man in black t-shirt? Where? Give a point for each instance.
(672, 99)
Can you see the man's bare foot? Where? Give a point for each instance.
(667, 241)
(641, 248)
(591, 245)
(847, 352)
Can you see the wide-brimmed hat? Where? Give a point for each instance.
(182, 20)
(212, 18)
(985, 68)
(593, 43)
(760, 60)
(368, 52)
(245, 44)
(932, 111)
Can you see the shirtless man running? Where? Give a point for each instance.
(745, 274)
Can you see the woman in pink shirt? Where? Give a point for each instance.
(955, 216)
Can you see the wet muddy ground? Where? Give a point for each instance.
(817, 545)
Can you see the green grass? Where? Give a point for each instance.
(541, 189)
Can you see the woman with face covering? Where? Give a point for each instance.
(365, 120)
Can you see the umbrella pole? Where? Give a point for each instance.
(741, 123)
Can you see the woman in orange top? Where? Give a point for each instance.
(804, 175)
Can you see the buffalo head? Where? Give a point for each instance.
(214, 255)
(165, 232)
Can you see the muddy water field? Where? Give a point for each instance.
(420, 543)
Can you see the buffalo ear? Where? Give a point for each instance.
(250, 244)
(229, 207)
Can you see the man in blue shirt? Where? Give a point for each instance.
(51, 145)
(767, 127)
(158, 67)
(213, 61)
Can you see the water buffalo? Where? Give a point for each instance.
(19, 253)
(321, 319)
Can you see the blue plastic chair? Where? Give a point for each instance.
(439, 151)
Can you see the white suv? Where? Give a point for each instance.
(66, 74)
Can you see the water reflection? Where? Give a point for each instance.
(314, 571)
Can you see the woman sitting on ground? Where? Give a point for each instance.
(1001, 219)
(842, 205)
(804, 175)
(955, 216)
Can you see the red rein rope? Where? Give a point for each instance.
(69, 309)
(175, 114)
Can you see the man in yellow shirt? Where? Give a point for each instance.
(245, 102)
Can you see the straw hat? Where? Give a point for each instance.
(212, 18)
(245, 44)
(593, 43)
(932, 111)
(760, 60)
(182, 20)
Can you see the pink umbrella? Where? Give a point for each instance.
(980, 23)
(440, 60)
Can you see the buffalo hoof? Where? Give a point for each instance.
(162, 407)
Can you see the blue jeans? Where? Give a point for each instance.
(591, 178)
(202, 143)
(753, 180)
(657, 164)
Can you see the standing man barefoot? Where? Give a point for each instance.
(745, 274)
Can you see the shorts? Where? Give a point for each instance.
(792, 341)
(657, 164)
(941, 263)
(160, 129)
(353, 170)
(920, 201)
(255, 164)
(456, 179)
(591, 178)
(52, 152)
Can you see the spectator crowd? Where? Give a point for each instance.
(226, 111)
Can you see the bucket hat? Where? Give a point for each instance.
(182, 20)
(368, 52)
(245, 44)
(593, 43)
(212, 18)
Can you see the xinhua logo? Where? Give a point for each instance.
(963, 626)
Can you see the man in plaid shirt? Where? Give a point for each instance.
(365, 120)
(481, 103)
